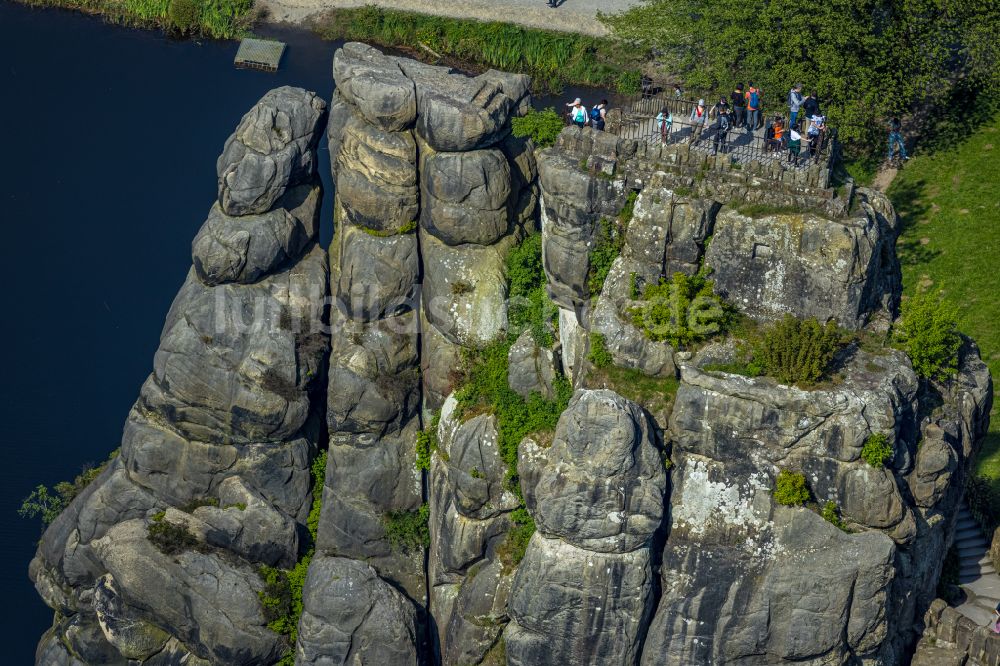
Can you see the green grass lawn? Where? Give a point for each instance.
(950, 205)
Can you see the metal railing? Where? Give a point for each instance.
(635, 118)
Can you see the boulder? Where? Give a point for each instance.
(478, 616)
(351, 616)
(246, 248)
(375, 276)
(123, 626)
(456, 113)
(236, 362)
(374, 84)
(738, 583)
(801, 264)
(573, 606)
(473, 464)
(272, 149)
(374, 375)
(439, 362)
(530, 367)
(247, 524)
(466, 196)
(464, 292)
(600, 485)
(376, 174)
(209, 603)
(573, 201)
(368, 477)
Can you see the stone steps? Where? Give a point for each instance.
(976, 574)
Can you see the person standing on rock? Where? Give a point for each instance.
(598, 115)
(739, 104)
(794, 145)
(698, 114)
(810, 108)
(795, 100)
(678, 96)
(577, 113)
(663, 122)
(752, 97)
(723, 123)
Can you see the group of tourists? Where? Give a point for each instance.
(596, 117)
(804, 133)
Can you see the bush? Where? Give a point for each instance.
(608, 243)
(831, 514)
(197, 503)
(790, 489)
(407, 531)
(796, 351)
(877, 450)
(170, 538)
(928, 331)
(680, 312)
(184, 15)
(281, 597)
(511, 551)
(542, 127)
(599, 354)
(49, 503)
(529, 305)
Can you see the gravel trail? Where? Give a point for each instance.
(571, 16)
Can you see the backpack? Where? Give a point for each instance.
(754, 99)
(595, 114)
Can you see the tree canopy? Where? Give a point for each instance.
(866, 59)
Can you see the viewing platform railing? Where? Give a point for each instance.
(635, 118)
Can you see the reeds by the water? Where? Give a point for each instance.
(219, 19)
(552, 58)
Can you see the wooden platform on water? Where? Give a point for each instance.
(261, 54)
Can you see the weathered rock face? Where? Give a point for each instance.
(227, 419)
(584, 591)
(351, 616)
(744, 577)
(272, 149)
(624, 536)
(804, 264)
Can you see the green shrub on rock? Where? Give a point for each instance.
(928, 331)
(48, 503)
(407, 531)
(877, 450)
(831, 514)
(543, 127)
(599, 354)
(171, 538)
(796, 351)
(529, 305)
(681, 312)
(790, 488)
(608, 243)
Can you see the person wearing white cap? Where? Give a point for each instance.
(698, 116)
(578, 112)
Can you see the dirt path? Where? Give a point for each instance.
(884, 178)
(570, 16)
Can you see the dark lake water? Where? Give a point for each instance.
(109, 141)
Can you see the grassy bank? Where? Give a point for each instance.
(551, 58)
(950, 205)
(220, 19)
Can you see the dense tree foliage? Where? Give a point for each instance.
(867, 59)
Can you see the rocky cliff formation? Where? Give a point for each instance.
(526, 481)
